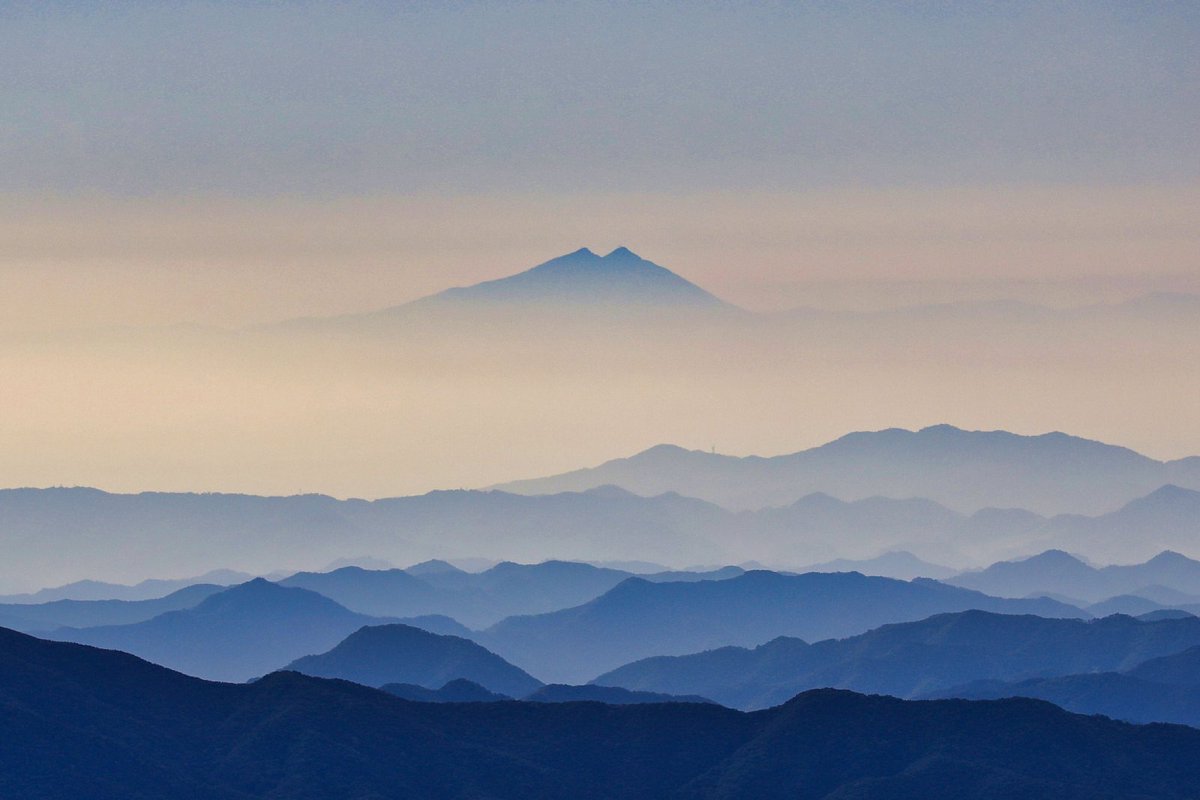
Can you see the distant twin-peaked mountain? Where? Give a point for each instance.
(914, 658)
(83, 721)
(963, 470)
(581, 286)
(639, 618)
(622, 283)
(582, 278)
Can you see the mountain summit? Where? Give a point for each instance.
(583, 278)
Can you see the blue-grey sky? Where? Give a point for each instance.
(352, 98)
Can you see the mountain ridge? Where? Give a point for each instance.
(965, 470)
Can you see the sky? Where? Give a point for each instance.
(237, 164)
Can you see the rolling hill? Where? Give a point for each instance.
(76, 717)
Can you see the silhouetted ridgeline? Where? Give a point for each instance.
(1059, 573)
(86, 722)
(474, 599)
(58, 533)
(964, 470)
(913, 659)
(35, 617)
(639, 618)
(1164, 689)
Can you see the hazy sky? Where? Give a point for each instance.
(353, 98)
(234, 164)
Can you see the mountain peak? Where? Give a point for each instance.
(623, 252)
(621, 279)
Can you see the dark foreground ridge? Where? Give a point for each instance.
(77, 721)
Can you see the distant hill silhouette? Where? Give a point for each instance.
(235, 635)
(383, 654)
(1058, 572)
(1177, 669)
(80, 717)
(1163, 689)
(34, 617)
(639, 618)
(480, 598)
(612, 695)
(459, 690)
(145, 590)
(912, 659)
(437, 623)
(475, 599)
(1113, 694)
(897, 564)
(1166, 519)
(464, 691)
(964, 470)
(1128, 604)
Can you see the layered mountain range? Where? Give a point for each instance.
(80, 717)
(69, 533)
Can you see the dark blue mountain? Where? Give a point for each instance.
(912, 659)
(383, 654)
(84, 722)
(638, 618)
